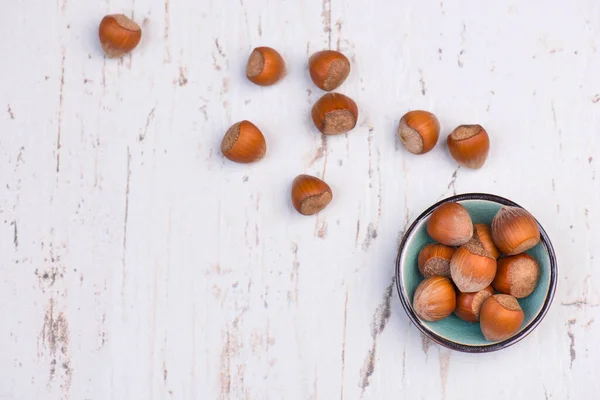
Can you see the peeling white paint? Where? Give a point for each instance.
(137, 263)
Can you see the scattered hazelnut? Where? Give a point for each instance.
(310, 194)
(450, 224)
(468, 305)
(328, 69)
(434, 298)
(514, 230)
(434, 259)
(265, 66)
(469, 145)
(472, 268)
(419, 131)
(500, 317)
(517, 275)
(119, 35)
(484, 235)
(334, 113)
(244, 143)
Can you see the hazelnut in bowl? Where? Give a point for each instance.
(476, 272)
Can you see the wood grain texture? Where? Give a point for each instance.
(137, 263)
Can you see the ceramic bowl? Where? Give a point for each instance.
(451, 331)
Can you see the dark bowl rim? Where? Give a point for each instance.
(494, 346)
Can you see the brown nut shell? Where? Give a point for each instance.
(468, 305)
(469, 145)
(483, 233)
(514, 230)
(517, 275)
(310, 194)
(450, 224)
(434, 298)
(434, 259)
(118, 35)
(419, 131)
(265, 66)
(500, 317)
(328, 69)
(244, 143)
(334, 113)
(472, 268)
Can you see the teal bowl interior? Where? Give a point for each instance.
(452, 331)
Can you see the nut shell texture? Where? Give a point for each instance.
(328, 69)
(472, 268)
(244, 143)
(310, 194)
(265, 66)
(434, 298)
(334, 114)
(419, 131)
(469, 145)
(517, 275)
(483, 233)
(434, 259)
(514, 230)
(118, 35)
(500, 317)
(468, 305)
(450, 224)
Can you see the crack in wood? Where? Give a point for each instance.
(15, 235)
(370, 236)
(380, 319)
(444, 360)
(149, 120)
(125, 221)
(60, 112)
(343, 355)
(422, 82)
(54, 337)
(326, 20)
(572, 352)
(11, 114)
(167, 22)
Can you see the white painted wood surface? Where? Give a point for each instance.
(137, 263)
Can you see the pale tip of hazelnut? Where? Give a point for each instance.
(410, 138)
(338, 72)
(338, 121)
(231, 137)
(256, 64)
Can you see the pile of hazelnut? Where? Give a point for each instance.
(332, 114)
(478, 271)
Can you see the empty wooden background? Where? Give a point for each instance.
(137, 263)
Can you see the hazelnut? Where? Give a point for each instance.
(118, 34)
(265, 66)
(310, 194)
(419, 131)
(450, 224)
(244, 143)
(514, 230)
(469, 145)
(434, 259)
(468, 305)
(334, 113)
(434, 298)
(484, 235)
(328, 69)
(517, 275)
(500, 317)
(472, 268)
